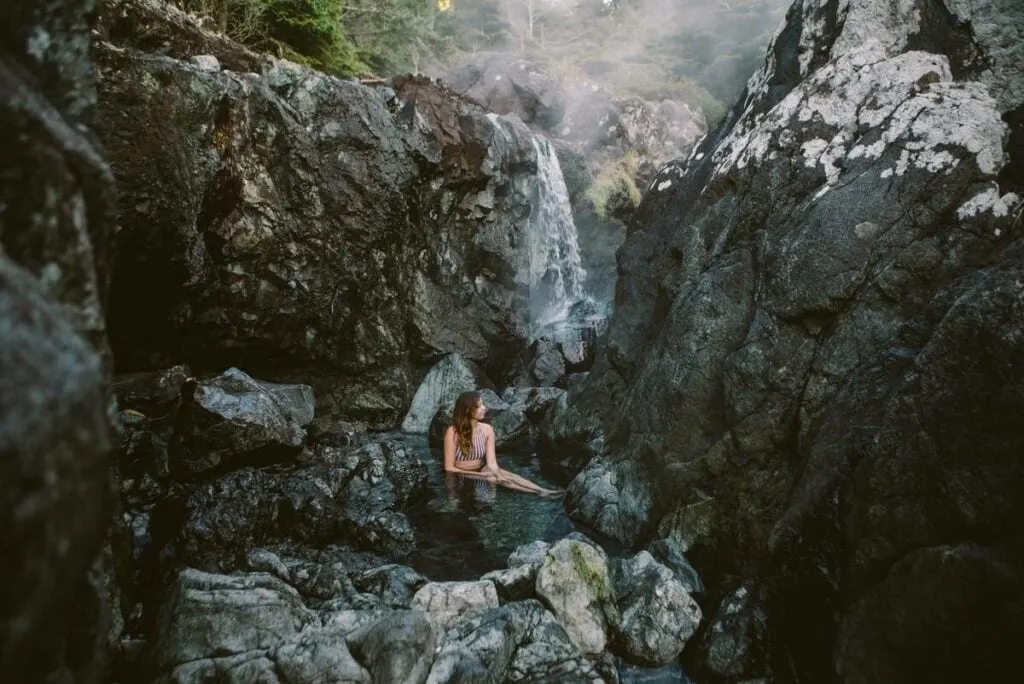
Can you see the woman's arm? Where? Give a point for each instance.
(492, 459)
(449, 450)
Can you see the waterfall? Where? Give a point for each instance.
(556, 272)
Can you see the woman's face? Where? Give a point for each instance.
(480, 411)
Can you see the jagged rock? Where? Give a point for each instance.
(568, 437)
(399, 648)
(446, 603)
(254, 628)
(614, 496)
(546, 365)
(154, 393)
(734, 646)
(321, 257)
(510, 86)
(533, 554)
(232, 415)
(809, 316)
(144, 463)
(209, 615)
(516, 642)
(658, 615)
(352, 496)
(668, 553)
(513, 584)
(396, 585)
(443, 384)
(574, 581)
(57, 215)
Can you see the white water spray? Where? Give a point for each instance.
(556, 274)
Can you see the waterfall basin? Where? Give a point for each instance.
(465, 528)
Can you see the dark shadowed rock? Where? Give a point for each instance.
(341, 495)
(55, 441)
(734, 645)
(658, 613)
(298, 226)
(57, 207)
(152, 393)
(809, 372)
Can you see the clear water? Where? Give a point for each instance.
(465, 528)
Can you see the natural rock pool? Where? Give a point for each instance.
(466, 528)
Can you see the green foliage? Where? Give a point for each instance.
(656, 49)
(615, 182)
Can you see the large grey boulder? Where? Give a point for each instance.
(232, 415)
(206, 615)
(517, 642)
(446, 603)
(255, 628)
(574, 580)
(444, 382)
(307, 228)
(812, 340)
(658, 613)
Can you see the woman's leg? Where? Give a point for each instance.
(513, 481)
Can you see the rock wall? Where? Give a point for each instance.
(811, 374)
(302, 227)
(56, 219)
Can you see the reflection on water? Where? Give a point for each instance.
(468, 527)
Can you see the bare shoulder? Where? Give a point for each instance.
(487, 429)
(449, 431)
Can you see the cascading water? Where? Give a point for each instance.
(556, 274)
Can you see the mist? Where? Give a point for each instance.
(694, 51)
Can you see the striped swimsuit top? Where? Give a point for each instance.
(478, 447)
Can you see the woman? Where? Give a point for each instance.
(469, 448)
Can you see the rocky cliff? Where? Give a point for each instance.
(56, 215)
(815, 362)
(303, 227)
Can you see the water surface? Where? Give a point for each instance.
(466, 527)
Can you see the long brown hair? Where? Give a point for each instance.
(462, 420)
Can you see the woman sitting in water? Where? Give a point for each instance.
(469, 448)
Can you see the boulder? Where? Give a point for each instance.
(352, 496)
(443, 384)
(232, 416)
(519, 641)
(734, 645)
(206, 615)
(658, 615)
(446, 603)
(396, 585)
(574, 581)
